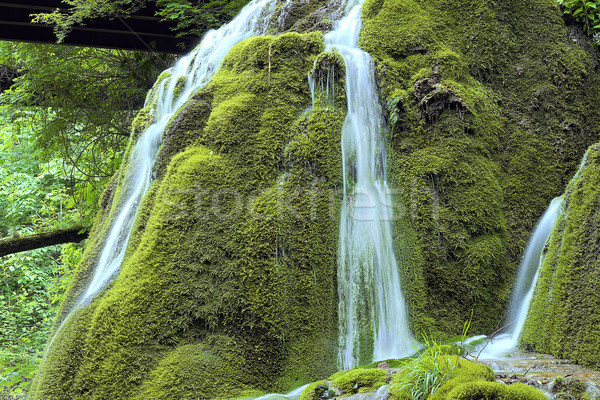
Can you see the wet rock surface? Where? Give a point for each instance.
(541, 371)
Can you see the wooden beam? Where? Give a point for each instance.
(13, 245)
(142, 31)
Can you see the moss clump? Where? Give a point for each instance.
(182, 374)
(360, 380)
(483, 99)
(494, 391)
(464, 372)
(568, 389)
(563, 318)
(312, 391)
(472, 381)
(229, 282)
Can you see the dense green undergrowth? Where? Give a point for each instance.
(34, 197)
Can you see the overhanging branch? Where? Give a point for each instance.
(13, 245)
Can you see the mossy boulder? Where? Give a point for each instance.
(473, 381)
(228, 284)
(490, 107)
(494, 391)
(360, 380)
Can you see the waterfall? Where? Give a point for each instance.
(368, 279)
(188, 75)
(526, 280)
(373, 321)
(529, 269)
(168, 95)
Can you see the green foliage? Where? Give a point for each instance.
(422, 376)
(34, 197)
(82, 10)
(16, 377)
(465, 372)
(585, 11)
(78, 103)
(193, 17)
(196, 17)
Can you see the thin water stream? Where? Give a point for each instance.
(525, 282)
(372, 312)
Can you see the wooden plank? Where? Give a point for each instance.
(143, 31)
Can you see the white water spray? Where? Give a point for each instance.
(293, 395)
(371, 310)
(525, 283)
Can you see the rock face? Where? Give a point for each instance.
(564, 313)
(229, 281)
(490, 107)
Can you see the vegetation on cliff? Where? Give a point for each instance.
(563, 317)
(490, 107)
(229, 280)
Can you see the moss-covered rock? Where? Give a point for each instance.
(228, 283)
(463, 372)
(360, 380)
(490, 106)
(563, 317)
(494, 391)
(569, 389)
(229, 280)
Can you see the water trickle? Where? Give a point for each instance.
(525, 283)
(373, 321)
(293, 395)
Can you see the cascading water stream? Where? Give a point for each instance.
(373, 321)
(188, 75)
(526, 280)
(185, 78)
(528, 274)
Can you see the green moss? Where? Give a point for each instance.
(360, 380)
(182, 374)
(568, 389)
(309, 393)
(464, 372)
(563, 318)
(494, 391)
(471, 381)
(484, 99)
(184, 129)
(229, 282)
